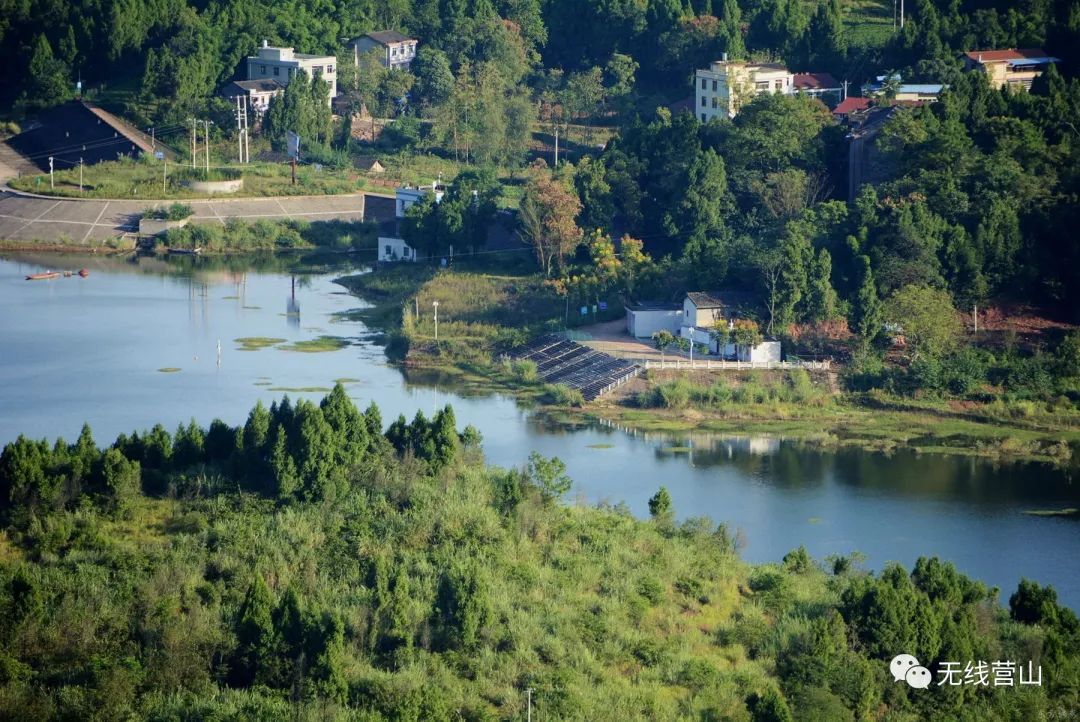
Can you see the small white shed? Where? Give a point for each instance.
(645, 319)
(763, 352)
(395, 249)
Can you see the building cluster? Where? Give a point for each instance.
(695, 320)
(272, 67)
(726, 85)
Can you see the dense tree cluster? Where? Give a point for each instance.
(304, 565)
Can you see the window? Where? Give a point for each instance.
(703, 101)
(262, 69)
(714, 86)
(715, 102)
(703, 83)
(329, 68)
(277, 70)
(779, 86)
(703, 119)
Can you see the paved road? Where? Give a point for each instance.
(34, 219)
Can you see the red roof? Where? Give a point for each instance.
(1002, 56)
(814, 81)
(851, 105)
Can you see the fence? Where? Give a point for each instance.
(734, 365)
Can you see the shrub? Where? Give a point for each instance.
(524, 370)
(562, 395)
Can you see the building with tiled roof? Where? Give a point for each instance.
(1014, 68)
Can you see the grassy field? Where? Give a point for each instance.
(869, 22)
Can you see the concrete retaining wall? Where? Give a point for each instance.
(228, 186)
(156, 226)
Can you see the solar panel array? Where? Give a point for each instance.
(559, 361)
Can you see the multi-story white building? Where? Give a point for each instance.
(282, 65)
(393, 49)
(725, 86)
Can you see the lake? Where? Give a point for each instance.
(93, 349)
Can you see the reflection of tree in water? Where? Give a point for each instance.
(984, 481)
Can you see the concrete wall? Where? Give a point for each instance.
(211, 187)
(156, 226)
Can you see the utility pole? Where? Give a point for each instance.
(206, 126)
(80, 175)
(901, 14)
(51, 183)
(436, 305)
(975, 315)
(292, 162)
(193, 122)
(556, 146)
(153, 139)
(528, 717)
(164, 177)
(239, 131)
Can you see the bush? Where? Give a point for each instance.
(562, 395)
(524, 370)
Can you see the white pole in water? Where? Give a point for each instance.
(219, 352)
(436, 305)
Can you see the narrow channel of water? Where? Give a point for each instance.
(103, 349)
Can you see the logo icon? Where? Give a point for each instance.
(906, 667)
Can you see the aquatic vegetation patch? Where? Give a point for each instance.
(254, 343)
(317, 345)
(346, 380)
(230, 298)
(601, 446)
(169, 369)
(300, 389)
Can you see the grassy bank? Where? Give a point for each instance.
(799, 404)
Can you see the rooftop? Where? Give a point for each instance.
(721, 299)
(386, 37)
(1009, 54)
(814, 81)
(264, 85)
(851, 105)
(653, 306)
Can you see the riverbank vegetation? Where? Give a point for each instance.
(305, 564)
(237, 235)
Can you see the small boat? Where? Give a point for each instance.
(43, 276)
(67, 274)
(185, 251)
(83, 272)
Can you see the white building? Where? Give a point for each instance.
(725, 86)
(406, 196)
(695, 320)
(282, 65)
(393, 49)
(645, 319)
(393, 249)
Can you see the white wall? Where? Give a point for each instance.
(763, 352)
(643, 323)
(395, 249)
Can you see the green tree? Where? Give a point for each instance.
(930, 325)
(434, 79)
(121, 479)
(866, 311)
(49, 81)
(663, 340)
(549, 476)
(660, 506)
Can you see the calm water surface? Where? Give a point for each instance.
(89, 349)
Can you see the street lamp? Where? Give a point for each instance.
(436, 305)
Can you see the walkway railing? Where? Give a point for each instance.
(720, 365)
